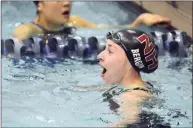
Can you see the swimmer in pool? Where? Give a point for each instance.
(127, 54)
(55, 17)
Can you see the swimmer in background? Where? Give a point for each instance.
(55, 16)
(127, 54)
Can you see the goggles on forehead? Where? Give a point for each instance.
(116, 38)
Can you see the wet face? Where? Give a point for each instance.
(114, 62)
(56, 12)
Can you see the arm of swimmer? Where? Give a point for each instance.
(80, 22)
(77, 21)
(145, 18)
(23, 31)
(130, 107)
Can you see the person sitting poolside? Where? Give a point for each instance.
(54, 17)
(127, 54)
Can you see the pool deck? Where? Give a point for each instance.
(180, 12)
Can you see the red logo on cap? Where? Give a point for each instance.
(152, 57)
(149, 46)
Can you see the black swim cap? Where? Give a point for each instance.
(36, 2)
(139, 48)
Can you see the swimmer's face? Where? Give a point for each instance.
(114, 62)
(56, 12)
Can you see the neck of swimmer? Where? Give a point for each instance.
(132, 79)
(48, 25)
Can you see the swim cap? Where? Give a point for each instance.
(36, 2)
(139, 48)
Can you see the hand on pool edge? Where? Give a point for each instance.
(150, 19)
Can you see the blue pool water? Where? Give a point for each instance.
(61, 94)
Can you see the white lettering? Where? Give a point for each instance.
(135, 50)
(139, 64)
(136, 55)
(137, 58)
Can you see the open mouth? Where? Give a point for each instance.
(66, 13)
(104, 71)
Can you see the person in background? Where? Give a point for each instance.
(55, 17)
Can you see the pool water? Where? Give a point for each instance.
(68, 93)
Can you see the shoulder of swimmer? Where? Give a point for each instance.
(25, 31)
(78, 21)
(135, 96)
(131, 103)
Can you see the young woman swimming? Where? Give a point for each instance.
(127, 54)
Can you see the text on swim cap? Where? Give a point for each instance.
(149, 46)
(152, 57)
(137, 58)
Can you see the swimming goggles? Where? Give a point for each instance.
(116, 37)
